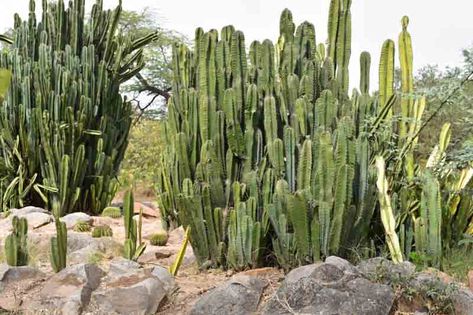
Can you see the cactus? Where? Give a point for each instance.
(159, 239)
(64, 123)
(16, 246)
(82, 226)
(102, 231)
(268, 153)
(5, 77)
(112, 212)
(59, 247)
(133, 247)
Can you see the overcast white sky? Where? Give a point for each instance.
(439, 28)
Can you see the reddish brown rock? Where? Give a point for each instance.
(147, 211)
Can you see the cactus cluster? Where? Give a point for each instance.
(64, 125)
(16, 244)
(102, 231)
(267, 152)
(134, 246)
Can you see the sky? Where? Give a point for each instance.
(439, 28)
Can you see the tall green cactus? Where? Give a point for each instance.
(64, 125)
(16, 246)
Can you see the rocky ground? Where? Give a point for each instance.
(98, 281)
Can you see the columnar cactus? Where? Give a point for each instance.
(59, 247)
(64, 125)
(133, 247)
(268, 153)
(16, 246)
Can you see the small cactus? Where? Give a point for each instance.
(16, 251)
(112, 212)
(59, 247)
(82, 226)
(159, 239)
(102, 231)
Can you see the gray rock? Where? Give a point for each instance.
(137, 292)
(120, 266)
(12, 273)
(238, 296)
(342, 264)
(329, 288)
(72, 218)
(69, 290)
(165, 277)
(379, 267)
(35, 219)
(26, 210)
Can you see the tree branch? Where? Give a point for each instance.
(152, 89)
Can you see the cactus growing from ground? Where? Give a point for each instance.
(64, 123)
(16, 245)
(59, 247)
(82, 226)
(133, 247)
(112, 212)
(102, 231)
(159, 239)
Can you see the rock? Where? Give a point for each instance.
(238, 296)
(341, 263)
(137, 291)
(27, 210)
(147, 211)
(69, 290)
(35, 219)
(329, 288)
(165, 277)
(72, 218)
(82, 247)
(463, 301)
(120, 266)
(379, 267)
(11, 273)
(442, 276)
(470, 279)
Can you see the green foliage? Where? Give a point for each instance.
(151, 86)
(146, 143)
(159, 239)
(64, 125)
(133, 247)
(59, 246)
(16, 244)
(112, 212)
(102, 231)
(82, 226)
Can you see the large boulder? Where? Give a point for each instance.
(238, 296)
(333, 287)
(11, 273)
(71, 219)
(380, 268)
(128, 289)
(69, 290)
